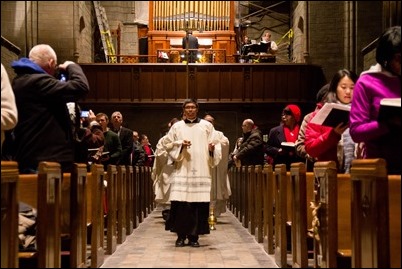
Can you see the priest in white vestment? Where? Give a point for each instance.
(220, 189)
(194, 153)
(162, 170)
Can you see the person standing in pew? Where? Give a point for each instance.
(90, 136)
(110, 153)
(326, 143)
(44, 130)
(194, 153)
(381, 138)
(125, 136)
(287, 131)
(251, 149)
(299, 144)
(9, 113)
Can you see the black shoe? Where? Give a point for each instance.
(165, 214)
(180, 242)
(194, 244)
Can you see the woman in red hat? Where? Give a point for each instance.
(280, 145)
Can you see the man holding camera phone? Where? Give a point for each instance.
(44, 131)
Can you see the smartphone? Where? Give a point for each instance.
(84, 114)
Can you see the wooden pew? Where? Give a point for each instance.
(136, 194)
(376, 211)
(332, 211)
(43, 192)
(74, 214)
(111, 196)
(95, 190)
(268, 205)
(122, 186)
(251, 196)
(9, 214)
(130, 190)
(280, 186)
(298, 199)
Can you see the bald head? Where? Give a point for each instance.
(247, 125)
(44, 56)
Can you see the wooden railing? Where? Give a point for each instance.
(219, 83)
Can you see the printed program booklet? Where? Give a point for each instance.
(331, 114)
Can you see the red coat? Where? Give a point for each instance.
(321, 142)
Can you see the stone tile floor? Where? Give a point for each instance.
(229, 246)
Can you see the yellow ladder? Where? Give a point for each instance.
(106, 36)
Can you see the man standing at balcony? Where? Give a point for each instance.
(190, 44)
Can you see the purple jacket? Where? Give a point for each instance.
(381, 140)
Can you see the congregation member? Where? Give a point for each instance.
(110, 153)
(286, 131)
(251, 149)
(194, 154)
(9, 113)
(300, 144)
(231, 163)
(149, 152)
(381, 138)
(89, 136)
(44, 130)
(327, 143)
(138, 153)
(125, 136)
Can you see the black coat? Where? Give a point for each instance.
(44, 129)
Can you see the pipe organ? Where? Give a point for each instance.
(211, 21)
(196, 15)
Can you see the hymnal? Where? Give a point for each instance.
(389, 107)
(331, 114)
(288, 146)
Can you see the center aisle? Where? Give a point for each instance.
(229, 246)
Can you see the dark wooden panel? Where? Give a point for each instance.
(126, 84)
(102, 85)
(236, 85)
(269, 85)
(147, 82)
